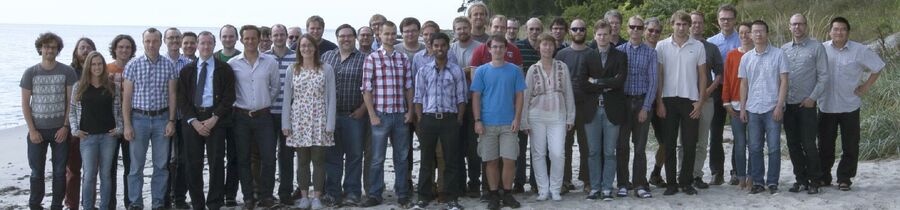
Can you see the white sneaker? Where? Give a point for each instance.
(316, 204)
(556, 196)
(303, 203)
(542, 196)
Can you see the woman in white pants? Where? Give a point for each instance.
(548, 112)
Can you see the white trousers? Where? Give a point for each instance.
(548, 137)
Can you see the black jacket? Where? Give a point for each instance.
(223, 90)
(611, 83)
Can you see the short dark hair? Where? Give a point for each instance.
(265, 31)
(410, 21)
(461, 19)
(120, 37)
(728, 7)
(560, 21)
(152, 30)
(47, 38)
(839, 19)
(249, 28)
(747, 24)
(762, 23)
(188, 33)
(386, 24)
(680, 15)
(431, 24)
(317, 19)
(206, 33)
(342, 27)
(497, 38)
(227, 26)
(439, 35)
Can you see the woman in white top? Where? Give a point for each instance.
(308, 117)
(548, 112)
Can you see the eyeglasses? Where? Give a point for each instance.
(578, 29)
(655, 31)
(293, 37)
(639, 28)
(498, 46)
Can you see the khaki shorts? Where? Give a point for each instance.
(498, 141)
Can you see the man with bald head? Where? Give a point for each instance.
(528, 48)
(575, 57)
(807, 78)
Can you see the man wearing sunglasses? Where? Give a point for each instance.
(575, 56)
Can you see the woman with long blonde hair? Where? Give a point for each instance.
(96, 119)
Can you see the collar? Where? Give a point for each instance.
(801, 42)
(756, 51)
(846, 46)
(211, 61)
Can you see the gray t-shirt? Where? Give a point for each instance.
(48, 93)
(463, 54)
(409, 54)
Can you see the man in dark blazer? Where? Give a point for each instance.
(205, 95)
(604, 107)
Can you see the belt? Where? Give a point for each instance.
(255, 113)
(636, 96)
(204, 109)
(440, 115)
(151, 113)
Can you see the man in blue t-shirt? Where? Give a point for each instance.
(497, 96)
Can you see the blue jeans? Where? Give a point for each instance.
(345, 157)
(148, 131)
(97, 149)
(392, 126)
(763, 128)
(37, 160)
(256, 130)
(739, 151)
(602, 136)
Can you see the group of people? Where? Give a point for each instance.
(474, 101)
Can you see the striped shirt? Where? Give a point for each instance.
(529, 54)
(387, 76)
(642, 72)
(151, 82)
(290, 57)
(440, 90)
(348, 79)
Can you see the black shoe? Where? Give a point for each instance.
(510, 201)
(473, 191)
(330, 201)
(670, 191)
(230, 203)
(454, 205)
(494, 201)
(698, 182)
(844, 186)
(734, 180)
(813, 189)
(485, 197)
(249, 204)
(594, 195)
(351, 201)
(689, 190)
(517, 189)
(404, 203)
(773, 189)
(797, 187)
(420, 204)
(757, 189)
(181, 205)
(607, 195)
(657, 180)
(718, 179)
(369, 202)
(267, 203)
(566, 187)
(135, 208)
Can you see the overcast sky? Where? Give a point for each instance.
(216, 13)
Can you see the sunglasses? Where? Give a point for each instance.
(578, 29)
(293, 37)
(639, 28)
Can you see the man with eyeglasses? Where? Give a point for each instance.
(640, 90)
(726, 41)
(576, 56)
(410, 28)
(294, 36)
(558, 29)
(528, 48)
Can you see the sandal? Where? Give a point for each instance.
(844, 186)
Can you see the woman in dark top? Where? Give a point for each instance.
(96, 119)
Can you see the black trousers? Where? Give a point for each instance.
(285, 161)
(470, 145)
(633, 131)
(232, 178)
(445, 131)
(800, 125)
(828, 131)
(255, 130)
(126, 163)
(677, 119)
(717, 127)
(571, 135)
(193, 146)
(177, 189)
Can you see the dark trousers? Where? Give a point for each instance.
(678, 117)
(635, 131)
(37, 160)
(717, 127)
(828, 131)
(231, 158)
(177, 189)
(193, 145)
(801, 142)
(73, 173)
(126, 163)
(446, 132)
(571, 135)
(249, 131)
(470, 146)
(521, 162)
(285, 161)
